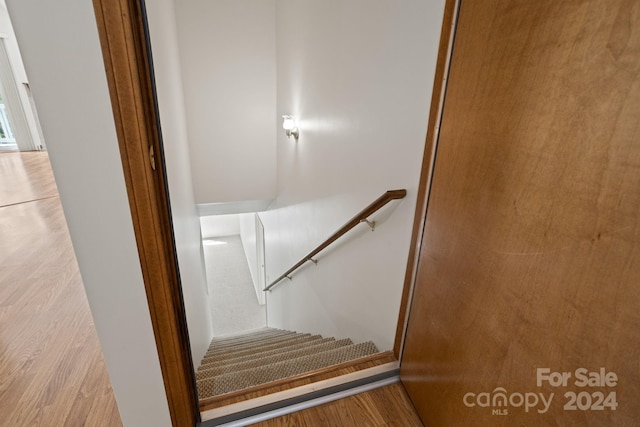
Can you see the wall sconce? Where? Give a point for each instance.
(289, 125)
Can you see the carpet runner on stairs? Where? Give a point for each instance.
(258, 357)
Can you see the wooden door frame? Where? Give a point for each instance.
(126, 53)
(428, 160)
(124, 40)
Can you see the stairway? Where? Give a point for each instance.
(258, 357)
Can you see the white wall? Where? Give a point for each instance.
(220, 225)
(358, 76)
(186, 222)
(227, 52)
(61, 52)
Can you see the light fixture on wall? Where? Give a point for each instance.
(289, 125)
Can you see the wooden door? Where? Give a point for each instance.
(526, 310)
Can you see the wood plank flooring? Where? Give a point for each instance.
(52, 370)
(25, 177)
(385, 406)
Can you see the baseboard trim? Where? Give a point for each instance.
(303, 397)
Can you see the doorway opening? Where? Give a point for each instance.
(233, 247)
(7, 139)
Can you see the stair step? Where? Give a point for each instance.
(242, 379)
(256, 352)
(260, 335)
(245, 334)
(274, 358)
(299, 380)
(253, 344)
(251, 356)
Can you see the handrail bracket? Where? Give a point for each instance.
(371, 224)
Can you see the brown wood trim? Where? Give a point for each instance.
(123, 39)
(360, 217)
(437, 98)
(295, 381)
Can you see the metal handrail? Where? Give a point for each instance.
(362, 216)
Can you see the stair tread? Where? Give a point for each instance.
(274, 358)
(260, 390)
(278, 346)
(253, 344)
(263, 334)
(249, 333)
(246, 378)
(213, 363)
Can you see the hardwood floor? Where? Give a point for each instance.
(385, 406)
(25, 177)
(51, 365)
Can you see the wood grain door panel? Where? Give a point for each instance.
(531, 252)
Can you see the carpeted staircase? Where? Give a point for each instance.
(242, 361)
